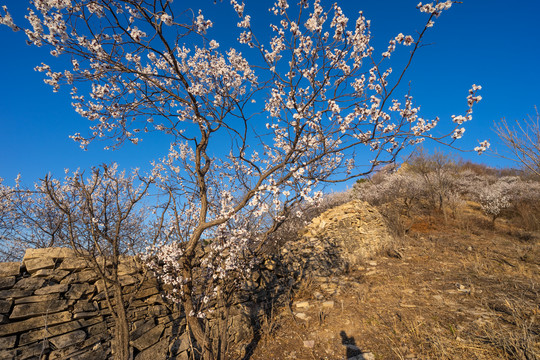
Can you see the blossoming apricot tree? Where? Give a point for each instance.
(253, 128)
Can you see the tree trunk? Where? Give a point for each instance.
(121, 333)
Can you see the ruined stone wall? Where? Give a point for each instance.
(52, 306)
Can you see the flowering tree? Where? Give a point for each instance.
(101, 217)
(253, 128)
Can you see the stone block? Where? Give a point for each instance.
(143, 293)
(49, 331)
(76, 291)
(33, 265)
(85, 315)
(149, 338)
(56, 253)
(7, 342)
(180, 344)
(37, 298)
(155, 352)
(5, 306)
(68, 339)
(40, 308)
(58, 288)
(83, 306)
(7, 282)
(34, 323)
(73, 263)
(142, 328)
(29, 283)
(10, 269)
(87, 276)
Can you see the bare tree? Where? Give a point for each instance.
(251, 134)
(522, 138)
(102, 218)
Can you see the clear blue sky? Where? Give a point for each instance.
(493, 43)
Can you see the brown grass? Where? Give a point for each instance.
(463, 290)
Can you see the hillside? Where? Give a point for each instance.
(461, 290)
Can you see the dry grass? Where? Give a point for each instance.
(462, 290)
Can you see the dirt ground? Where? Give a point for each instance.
(461, 290)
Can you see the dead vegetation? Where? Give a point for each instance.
(460, 289)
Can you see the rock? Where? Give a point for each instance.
(7, 282)
(15, 293)
(10, 269)
(155, 352)
(58, 288)
(29, 283)
(35, 264)
(309, 343)
(302, 304)
(68, 339)
(56, 253)
(301, 316)
(328, 304)
(148, 338)
(7, 342)
(363, 356)
(80, 277)
(5, 306)
(180, 344)
(40, 308)
(317, 295)
(76, 291)
(73, 263)
(34, 323)
(37, 335)
(37, 298)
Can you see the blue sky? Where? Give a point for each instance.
(493, 43)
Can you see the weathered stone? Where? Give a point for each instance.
(155, 352)
(68, 339)
(7, 282)
(302, 304)
(37, 298)
(149, 338)
(53, 274)
(34, 323)
(73, 263)
(36, 335)
(80, 349)
(97, 329)
(56, 253)
(143, 293)
(76, 291)
(126, 280)
(87, 276)
(85, 315)
(7, 342)
(15, 293)
(58, 288)
(82, 306)
(32, 309)
(10, 269)
(29, 283)
(33, 265)
(142, 328)
(328, 304)
(8, 354)
(180, 344)
(5, 306)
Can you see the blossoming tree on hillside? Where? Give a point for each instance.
(253, 128)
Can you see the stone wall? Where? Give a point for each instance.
(52, 306)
